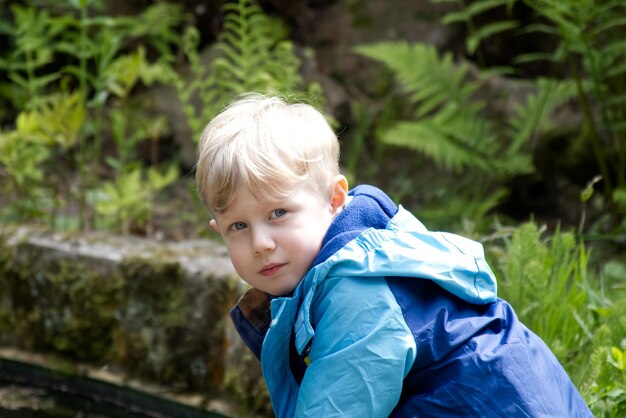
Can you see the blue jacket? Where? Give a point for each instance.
(394, 320)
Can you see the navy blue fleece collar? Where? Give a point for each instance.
(370, 207)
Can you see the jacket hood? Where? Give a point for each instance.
(368, 240)
(374, 237)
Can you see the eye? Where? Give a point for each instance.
(238, 226)
(278, 213)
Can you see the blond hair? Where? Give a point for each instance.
(267, 146)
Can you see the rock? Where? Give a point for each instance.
(156, 311)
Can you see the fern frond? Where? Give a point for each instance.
(468, 14)
(467, 199)
(258, 59)
(472, 10)
(254, 54)
(428, 138)
(613, 50)
(423, 74)
(449, 126)
(534, 117)
(542, 29)
(533, 57)
(617, 100)
(612, 22)
(456, 141)
(475, 39)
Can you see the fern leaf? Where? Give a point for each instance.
(229, 52)
(538, 28)
(470, 132)
(612, 22)
(614, 50)
(472, 10)
(619, 70)
(426, 137)
(253, 55)
(535, 116)
(449, 127)
(512, 165)
(617, 100)
(475, 39)
(617, 126)
(533, 57)
(422, 73)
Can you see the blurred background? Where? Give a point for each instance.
(501, 120)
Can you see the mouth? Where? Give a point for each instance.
(271, 269)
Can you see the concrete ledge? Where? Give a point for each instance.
(148, 310)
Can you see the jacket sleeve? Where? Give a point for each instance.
(360, 354)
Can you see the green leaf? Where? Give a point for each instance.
(254, 54)
(533, 57)
(535, 116)
(619, 198)
(474, 40)
(587, 192)
(122, 74)
(158, 181)
(472, 10)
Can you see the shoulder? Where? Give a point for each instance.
(353, 292)
(350, 306)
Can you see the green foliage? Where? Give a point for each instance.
(580, 315)
(535, 116)
(435, 84)
(127, 201)
(253, 53)
(72, 73)
(591, 41)
(590, 46)
(455, 127)
(21, 160)
(458, 119)
(545, 280)
(66, 68)
(467, 15)
(55, 121)
(27, 64)
(607, 392)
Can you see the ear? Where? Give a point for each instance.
(214, 226)
(339, 194)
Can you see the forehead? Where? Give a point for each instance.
(246, 200)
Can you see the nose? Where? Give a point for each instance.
(262, 241)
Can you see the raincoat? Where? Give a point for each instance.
(394, 320)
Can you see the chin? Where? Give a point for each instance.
(283, 291)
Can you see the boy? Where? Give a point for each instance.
(356, 309)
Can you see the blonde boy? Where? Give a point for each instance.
(254, 155)
(356, 309)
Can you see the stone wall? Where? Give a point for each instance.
(142, 309)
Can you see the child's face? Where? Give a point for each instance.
(273, 243)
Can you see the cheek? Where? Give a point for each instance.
(235, 254)
(314, 234)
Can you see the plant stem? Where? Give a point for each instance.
(471, 29)
(593, 134)
(83, 157)
(29, 70)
